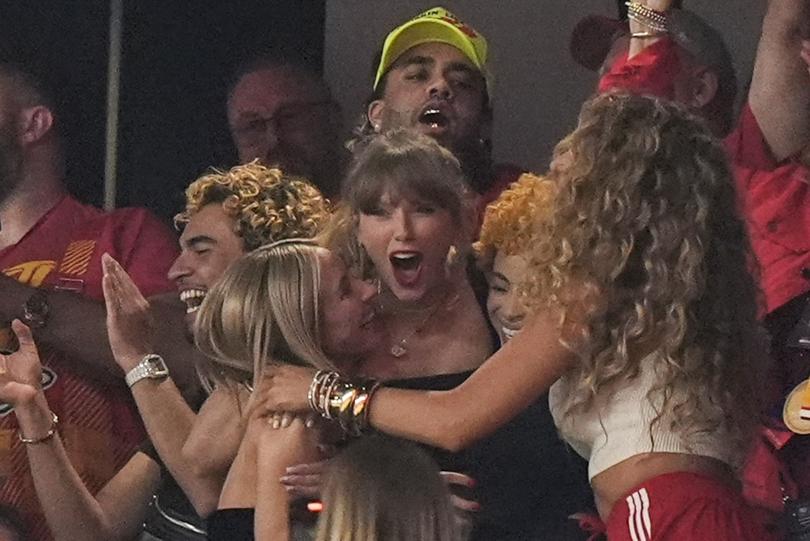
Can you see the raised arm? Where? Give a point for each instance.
(506, 384)
(75, 324)
(644, 35)
(653, 72)
(780, 88)
(166, 415)
(71, 511)
(276, 450)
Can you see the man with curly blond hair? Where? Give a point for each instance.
(231, 212)
(227, 214)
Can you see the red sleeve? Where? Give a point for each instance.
(746, 145)
(147, 249)
(652, 71)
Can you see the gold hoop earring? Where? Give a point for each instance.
(452, 259)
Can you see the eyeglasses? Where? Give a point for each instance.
(290, 118)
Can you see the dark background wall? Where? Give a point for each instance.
(177, 56)
(538, 88)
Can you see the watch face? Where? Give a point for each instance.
(155, 366)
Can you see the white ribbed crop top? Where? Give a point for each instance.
(617, 427)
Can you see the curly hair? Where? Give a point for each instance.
(645, 225)
(510, 221)
(266, 203)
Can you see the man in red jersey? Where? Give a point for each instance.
(50, 250)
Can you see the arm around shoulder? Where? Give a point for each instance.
(506, 384)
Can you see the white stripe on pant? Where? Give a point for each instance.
(638, 517)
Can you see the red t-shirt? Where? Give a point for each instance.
(98, 423)
(774, 197)
(503, 174)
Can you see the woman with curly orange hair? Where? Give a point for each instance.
(505, 232)
(643, 327)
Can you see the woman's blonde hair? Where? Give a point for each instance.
(645, 231)
(264, 308)
(265, 203)
(379, 488)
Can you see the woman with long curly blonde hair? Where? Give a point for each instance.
(643, 326)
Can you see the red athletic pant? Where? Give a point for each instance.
(684, 506)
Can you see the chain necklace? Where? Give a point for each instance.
(400, 348)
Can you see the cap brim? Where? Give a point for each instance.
(592, 39)
(417, 32)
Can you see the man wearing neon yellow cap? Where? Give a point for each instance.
(432, 76)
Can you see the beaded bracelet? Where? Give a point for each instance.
(650, 18)
(46, 437)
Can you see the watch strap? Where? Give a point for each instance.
(151, 366)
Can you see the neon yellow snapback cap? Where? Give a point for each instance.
(436, 25)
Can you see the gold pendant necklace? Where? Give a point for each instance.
(400, 349)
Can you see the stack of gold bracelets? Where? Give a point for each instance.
(656, 21)
(340, 400)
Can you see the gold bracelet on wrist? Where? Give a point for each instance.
(46, 437)
(338, 399)
(646, 35)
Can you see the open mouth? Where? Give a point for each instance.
(508, 334)
(407, 267)
(192, 298)
(434, 118)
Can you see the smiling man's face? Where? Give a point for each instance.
(208, 245)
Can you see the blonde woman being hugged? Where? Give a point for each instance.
(289, 300)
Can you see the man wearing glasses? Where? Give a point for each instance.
(282, 113)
